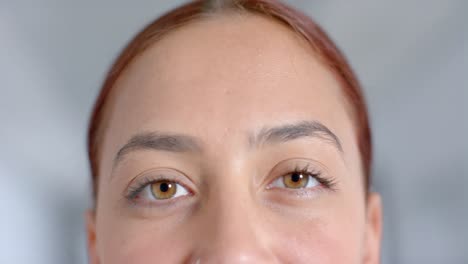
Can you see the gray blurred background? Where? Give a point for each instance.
(411, 56)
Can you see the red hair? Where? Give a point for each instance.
(300, 23)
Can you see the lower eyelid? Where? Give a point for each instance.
(278, 184)
(159, 204)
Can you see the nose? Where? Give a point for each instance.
(231, 231)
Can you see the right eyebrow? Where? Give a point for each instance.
(159, 141)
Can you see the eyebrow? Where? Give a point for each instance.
(288, 132)
(159, 141)
(185, 143)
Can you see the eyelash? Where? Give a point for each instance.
(329, 183)
(136, 189)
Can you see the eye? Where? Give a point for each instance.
(296, 180)
(161, 190)
(300, 175)
(157, 188)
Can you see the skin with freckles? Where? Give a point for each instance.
(246, 135)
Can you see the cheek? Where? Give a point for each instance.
(326, 243)
(141, 242)
(329, 237)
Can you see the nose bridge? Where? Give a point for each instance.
(235, 216)
(232, 228)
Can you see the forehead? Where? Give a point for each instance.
(218, 77)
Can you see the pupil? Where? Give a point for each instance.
(164, 187)
(295, 177)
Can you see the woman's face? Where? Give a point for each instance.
(228, 142)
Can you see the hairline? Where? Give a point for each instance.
(106, 109)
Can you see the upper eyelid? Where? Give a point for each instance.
(312, 166)
(307, 168)
(313, 173)
(147, 177)
(277, 170)
(146, 185)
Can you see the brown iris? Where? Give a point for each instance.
(296, 180)
(163, 189)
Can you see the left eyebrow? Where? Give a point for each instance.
(288, 132)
